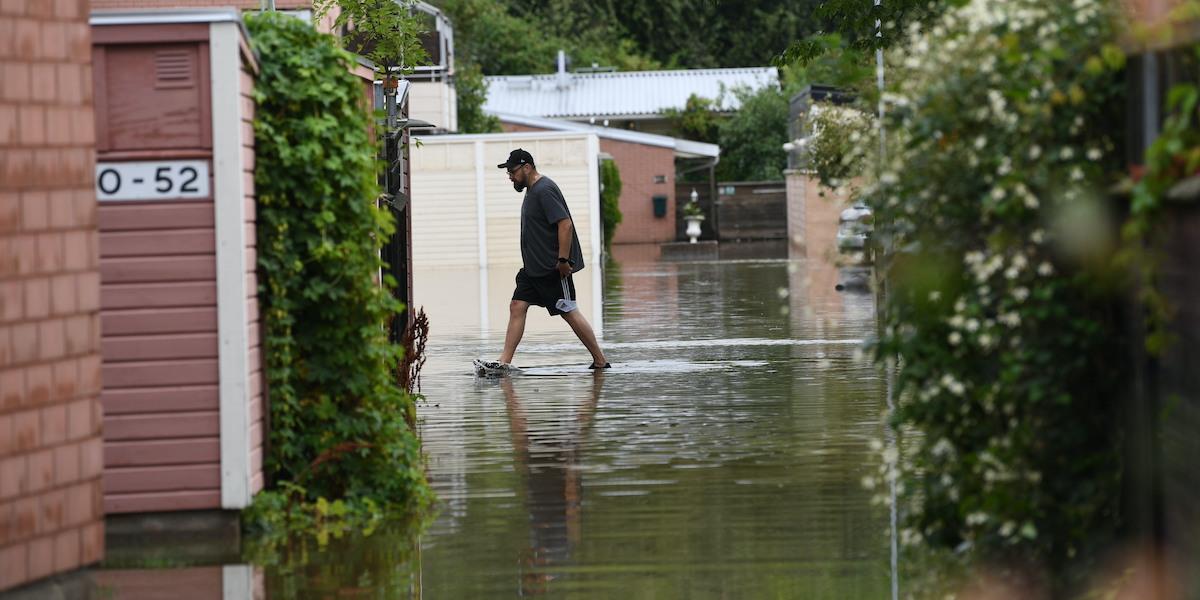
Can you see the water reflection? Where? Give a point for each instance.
(549, 464)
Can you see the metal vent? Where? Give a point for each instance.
(174, 69)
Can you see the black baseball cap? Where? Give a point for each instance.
(516, 158)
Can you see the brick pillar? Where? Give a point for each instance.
(50, 446)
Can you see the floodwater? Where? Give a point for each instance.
(722, 457)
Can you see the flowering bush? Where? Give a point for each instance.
(838, 142)
(1002, 307)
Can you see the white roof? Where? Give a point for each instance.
(682, 148)
(631, 94)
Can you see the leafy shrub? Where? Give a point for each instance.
(610, 195)
(1003, 311)
(338, 427)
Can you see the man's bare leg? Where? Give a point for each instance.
(517, 310)
(584, 331)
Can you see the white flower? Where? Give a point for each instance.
(1031, 201)
(1067, 153)
(1007, 528)
(1021, 294)
(998, 194)
(985, 341)
(1035, 152)
(980, 142)
(955, 338)
(1077, 174)
(1095, 154)
(1045, 269)
(1011, 319)
(976, 518)
(1038, 236)
(942, 448)
(972, 325)
(935, 295)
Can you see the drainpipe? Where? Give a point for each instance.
(267, 5)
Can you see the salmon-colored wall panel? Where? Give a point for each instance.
(150, 295)
(175, 320)
(152, 373)
(130, 216)
(161, 426)
(142, 243)
(193, 583)
(162, 452)
(166, 501)
(158, 268)
(152, 97)
(160, 400)
(125, 480)
(160, 347)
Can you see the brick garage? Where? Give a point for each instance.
(50, 445)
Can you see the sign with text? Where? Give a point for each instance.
(152, 180)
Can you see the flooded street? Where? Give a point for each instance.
(721, 457)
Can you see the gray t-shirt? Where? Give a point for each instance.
(542, 209)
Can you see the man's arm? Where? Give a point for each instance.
(565, 238)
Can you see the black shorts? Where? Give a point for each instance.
(542, 291)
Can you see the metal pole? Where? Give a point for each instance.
(267, 5)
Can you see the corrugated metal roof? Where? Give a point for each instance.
(682, 148)
(621, 94)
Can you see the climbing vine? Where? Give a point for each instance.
(339, 441)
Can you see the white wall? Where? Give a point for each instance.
(434, 102)
(466, 222)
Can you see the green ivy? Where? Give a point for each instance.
(610, 196)
(338, 429)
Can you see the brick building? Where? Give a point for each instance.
(50, 444)
(647, 163)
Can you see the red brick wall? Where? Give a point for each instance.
(50, 446)
(639, 164)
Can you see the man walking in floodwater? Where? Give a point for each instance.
(551, 254)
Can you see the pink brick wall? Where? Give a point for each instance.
(639, 164)
(50, 445)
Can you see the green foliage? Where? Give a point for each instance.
(338, 429)
(863, 26)
(503, 39)
(697, 121)
(752, 139)
(472, 94)
(1003, 305)
(826, 60)
(385, 32)
(1173, 157)
(610, 195)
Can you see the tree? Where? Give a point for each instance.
(384, 31)
(471, 94)
(752, 139)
